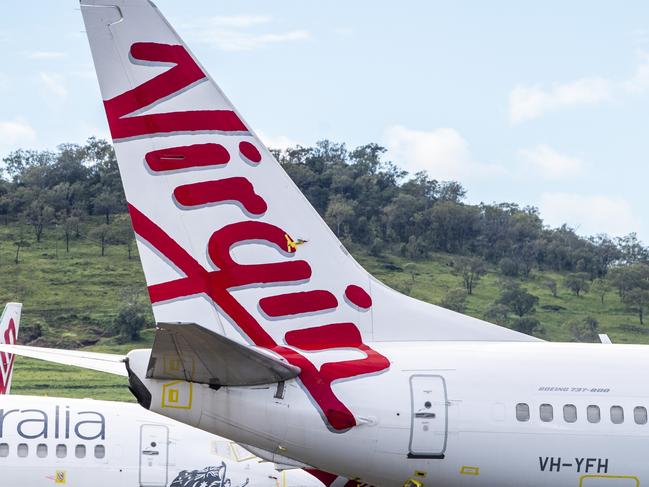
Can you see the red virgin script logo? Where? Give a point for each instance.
(7, 359)
(216, 284)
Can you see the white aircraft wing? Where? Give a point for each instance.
(102, 362)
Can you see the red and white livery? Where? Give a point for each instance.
(272, 335)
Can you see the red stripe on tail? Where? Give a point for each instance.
(298, 303)
(187, 157)
(181, 76)
(238, 190)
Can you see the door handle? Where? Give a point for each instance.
(425, 415)
(150, 452)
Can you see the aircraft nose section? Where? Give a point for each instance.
(136, 363)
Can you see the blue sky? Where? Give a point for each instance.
(542, 103)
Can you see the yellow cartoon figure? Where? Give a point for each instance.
(293, 244)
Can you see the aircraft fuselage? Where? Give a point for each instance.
(452, 414)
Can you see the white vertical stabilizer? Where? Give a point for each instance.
(226, 239)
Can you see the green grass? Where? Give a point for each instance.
(74, 297)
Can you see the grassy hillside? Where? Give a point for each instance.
(73, 298)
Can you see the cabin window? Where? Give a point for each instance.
(61, 451)
(4, 450)
(41, 450)
(522, 412)
(100, 451)
(80, 451)
(569, 413)
(617, 415)
(23, 450)
(592, 413)
(640, 415)
(547, 414)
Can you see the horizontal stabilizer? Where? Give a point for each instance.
(190, 352)
(101, 362)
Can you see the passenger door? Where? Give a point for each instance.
(429, 427)
(154, 455)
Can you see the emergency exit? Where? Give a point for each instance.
(154, 455)
(429, 424)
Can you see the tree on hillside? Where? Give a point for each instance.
(508, 267)
(69, 226)
(39, 215)
(637, 300)
(585, 330)
(365, 198)
(632, 283)
(415, 248)
(411, 268)
(455, 300)
(527, 325)
(102, 234)
(21, 242)
(632, 250)
(517, 299)
(626, 278)
(471, 269)
(399, 216)
(122, 233)
(130, 320)
(339, 211)
(577, 283)
(551, 284)
(107, 203)
(601, 287)
(451, 226)
(497, 313)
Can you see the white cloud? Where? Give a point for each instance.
(529, 102)
(638, 84)
(280, 142)
(589, 214)
(46, 55)
(234, 33)
(240, 41)
(239, 21)
(547, 163)
(14, 133)
(53, 86)
(443, 152)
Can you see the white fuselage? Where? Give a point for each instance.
(72, 442)
(453, 414)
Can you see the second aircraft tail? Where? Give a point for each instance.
(9, 324)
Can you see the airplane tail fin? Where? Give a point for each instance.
(9, 324)
(226, 239)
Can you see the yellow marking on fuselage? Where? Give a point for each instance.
(60, 477)
(466, 470)
(172, 397)
(413, 483)
(635, 481)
